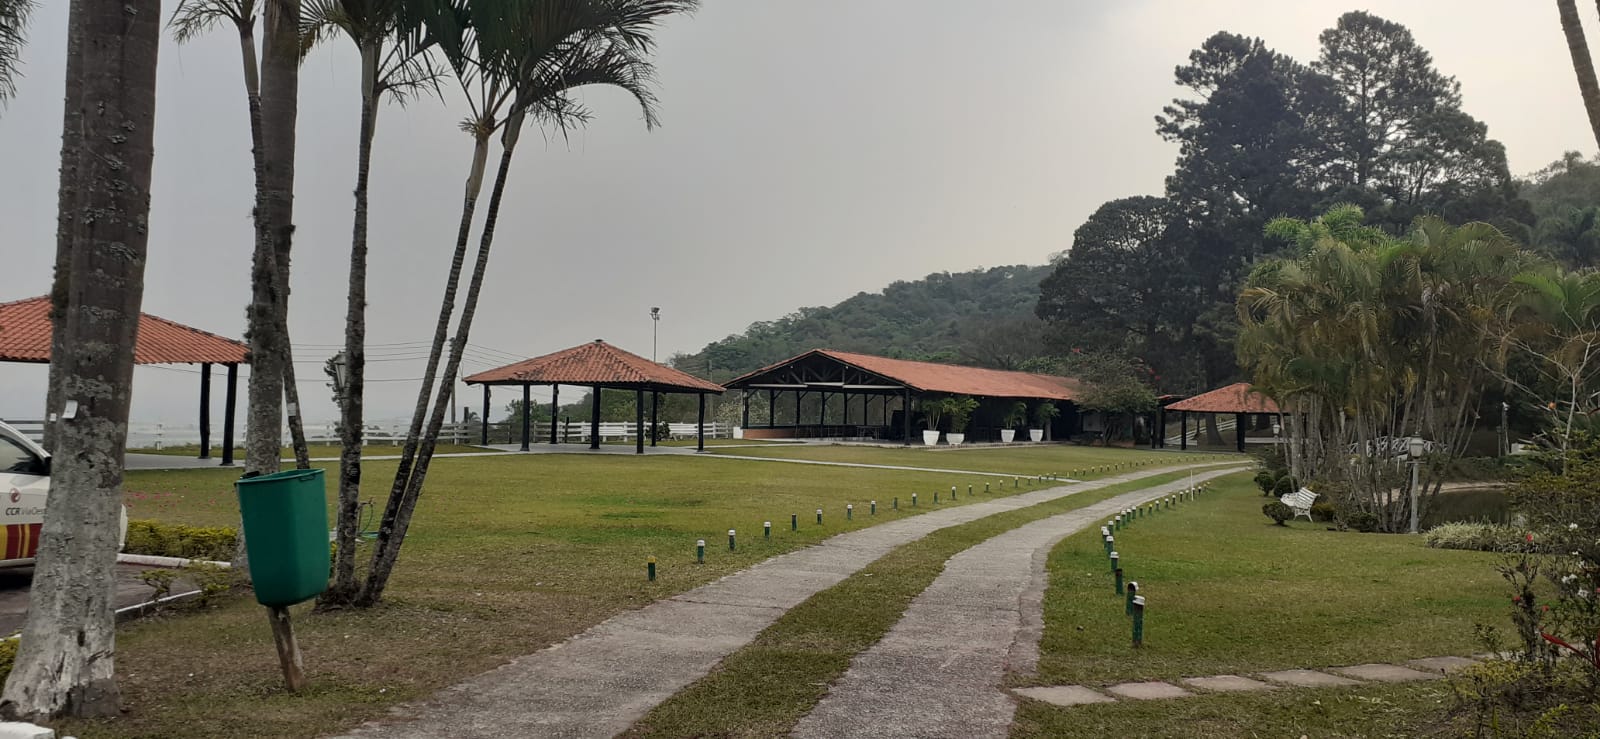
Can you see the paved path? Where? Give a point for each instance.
(938, 672)
(16, 584)
(598, 683)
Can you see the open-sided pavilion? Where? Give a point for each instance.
(887, 388)
(25, 330)
(1239, 399)
(600, 366)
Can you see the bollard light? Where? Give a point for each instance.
(794, 522)
(1110, 542)
(936, 496)
(873, 510)
(1116, 561)
(986, 488)
(700, 551)
(766, 529)
(1118, 573)
(650, 568)
(897, 502)
(1133, 590)
(952, 492)
(969, 491)
(850, 512)
(913, 500)
(819, 516)
(1138, 621)
(731, 534)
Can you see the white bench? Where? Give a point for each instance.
(1300, 501)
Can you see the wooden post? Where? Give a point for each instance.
(700, 444)
(205, 410)
(594, 419)
(555, 409)
(638, 422)
(294, 669)
(227, 415)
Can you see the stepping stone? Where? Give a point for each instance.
(1227, 684)
(1151, 691)
(1307, 679)
(1382, 673)
(1064, 695)
(1444, 665)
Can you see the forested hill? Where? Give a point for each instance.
(936, 318)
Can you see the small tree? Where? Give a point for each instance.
(959, 408)
(1018, 414)
(1043, 414)
(932, 412)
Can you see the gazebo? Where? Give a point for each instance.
(25, 330)
(599, 366)
(1239, 399)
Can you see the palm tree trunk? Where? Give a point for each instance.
(441, 330)
(393, 532)
(355, 335)
(65, 662)
(67, 196)
(1582, 63)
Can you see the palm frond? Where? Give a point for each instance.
(14, 16)
(193, 18)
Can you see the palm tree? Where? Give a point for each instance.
(527, 58)
(1582, 63)
(65, 663)
(13, 26)
(393, 50)
(191, 19)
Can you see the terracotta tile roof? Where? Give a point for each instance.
(595, 363)
(1239, 397)
(25, 337)
(944, 378)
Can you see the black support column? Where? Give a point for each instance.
(700, 443)
(594, 418)
(227, 415)
(527, 415)
(638, 422)
(747, 409)
(205, 410)
(1238, 429)
(772, 408)
(905, 415)
(485, 417)
(655, 411)
(1183, 430)
(555, 412)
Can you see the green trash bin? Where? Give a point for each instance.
(285, 518)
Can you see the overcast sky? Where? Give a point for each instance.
(809, 150)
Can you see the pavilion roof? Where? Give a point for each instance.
(595, 363)
(929, 377)
(25, 337)
(1239, 397)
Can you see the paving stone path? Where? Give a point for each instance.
(600, 682)
(1431, 668)
(938, 671)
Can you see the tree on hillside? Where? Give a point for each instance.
(538, 55)
(1106, 293)
(1582, 62)
(13, 34)
(65, 662)
(1565, 199)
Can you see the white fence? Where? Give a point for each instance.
(511, 433)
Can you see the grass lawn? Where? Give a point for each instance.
(315, 450)
(1044, 459)
(506, 555)
(766, 687)
(1230, 593)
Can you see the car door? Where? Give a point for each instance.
(24, 482)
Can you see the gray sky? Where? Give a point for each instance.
(810, 150)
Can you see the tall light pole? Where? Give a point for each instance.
(1414, 450)
(655, 329)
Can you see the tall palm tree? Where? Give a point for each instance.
(394, 51)
(1582, 63)
(191, 19)
(65, 663)
(13, 27)
(528, 57)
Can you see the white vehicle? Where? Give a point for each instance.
(25, 483)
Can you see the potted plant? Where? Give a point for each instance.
(932, 411)
(1042, 416)
(1017, 416)
(959, 409)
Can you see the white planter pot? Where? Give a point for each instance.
(1008, 435)
(930, 438)
(1036, 434)
(738, 433)
(955, 439)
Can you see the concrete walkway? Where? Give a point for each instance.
(1431, 668)
(938, 672)
(598, 683)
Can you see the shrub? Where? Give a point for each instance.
(1278, 511)
(1480, 537)
(1284, 486)
(1362, 521)
(1323, 511)
(177, 540)
(1266, 481)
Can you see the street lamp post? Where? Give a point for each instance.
(655, 326)
(1414, 449)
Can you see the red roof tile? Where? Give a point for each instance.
(595, 363)
(25, 337)
(1236, 398)
(944, 378)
